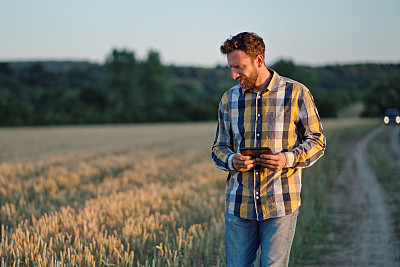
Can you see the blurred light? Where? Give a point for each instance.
(398, 119)
(386, 119)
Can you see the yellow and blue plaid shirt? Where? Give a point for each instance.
(283, 117)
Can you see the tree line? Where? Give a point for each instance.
(127, 90)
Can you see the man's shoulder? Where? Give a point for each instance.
(234, 90)
(296, 84)
(281, 83)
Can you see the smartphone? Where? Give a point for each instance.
(255, 152)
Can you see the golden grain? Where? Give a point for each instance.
(144, 195)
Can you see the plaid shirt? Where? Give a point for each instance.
(283, 117)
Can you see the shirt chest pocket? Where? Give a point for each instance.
(280, 116)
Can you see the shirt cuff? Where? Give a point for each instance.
(289, 159)
(230, 162)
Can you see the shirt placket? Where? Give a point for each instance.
(257, 142)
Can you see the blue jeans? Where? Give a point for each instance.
(243, 237)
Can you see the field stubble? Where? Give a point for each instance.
(144, 195)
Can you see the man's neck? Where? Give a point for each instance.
(264, 79)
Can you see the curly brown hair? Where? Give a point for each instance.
(252, 44)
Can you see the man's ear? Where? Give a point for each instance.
(260, 61)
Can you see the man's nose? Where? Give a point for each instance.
(235, 74)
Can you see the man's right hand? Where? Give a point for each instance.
(243, 163)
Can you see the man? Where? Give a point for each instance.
(263, 193)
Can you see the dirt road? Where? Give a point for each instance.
(367, 236)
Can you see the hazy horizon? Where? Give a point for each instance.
(309, 32)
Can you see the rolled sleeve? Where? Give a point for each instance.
(289, 159)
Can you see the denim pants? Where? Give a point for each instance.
(243, 237)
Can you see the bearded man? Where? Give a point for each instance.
(264, 110)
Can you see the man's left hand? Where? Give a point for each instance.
(273, 162)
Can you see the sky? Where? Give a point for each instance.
(189, 33)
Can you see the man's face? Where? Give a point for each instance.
(243, 69)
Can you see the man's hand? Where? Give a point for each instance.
(243, 163)
(273, 162)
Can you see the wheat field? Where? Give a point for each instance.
(120, 195)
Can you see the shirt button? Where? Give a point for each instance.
(258, 134)
(257, 197)
(259, 115)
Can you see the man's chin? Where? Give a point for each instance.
(245, 86)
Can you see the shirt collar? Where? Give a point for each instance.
(274, 83)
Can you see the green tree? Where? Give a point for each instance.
(327, 103)
(303, 74)
(156, 98)
(15, 103)
(123, 87)
(285, 68)
(384, 94)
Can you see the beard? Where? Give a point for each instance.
(250, 81)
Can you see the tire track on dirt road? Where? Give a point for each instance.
(367, 237)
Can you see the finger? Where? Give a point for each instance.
(270, 157)
(245, 161)
(266, 161)
(248, 162)
(239, 156)
(244, 168)
(243, 165)
(270, 164)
